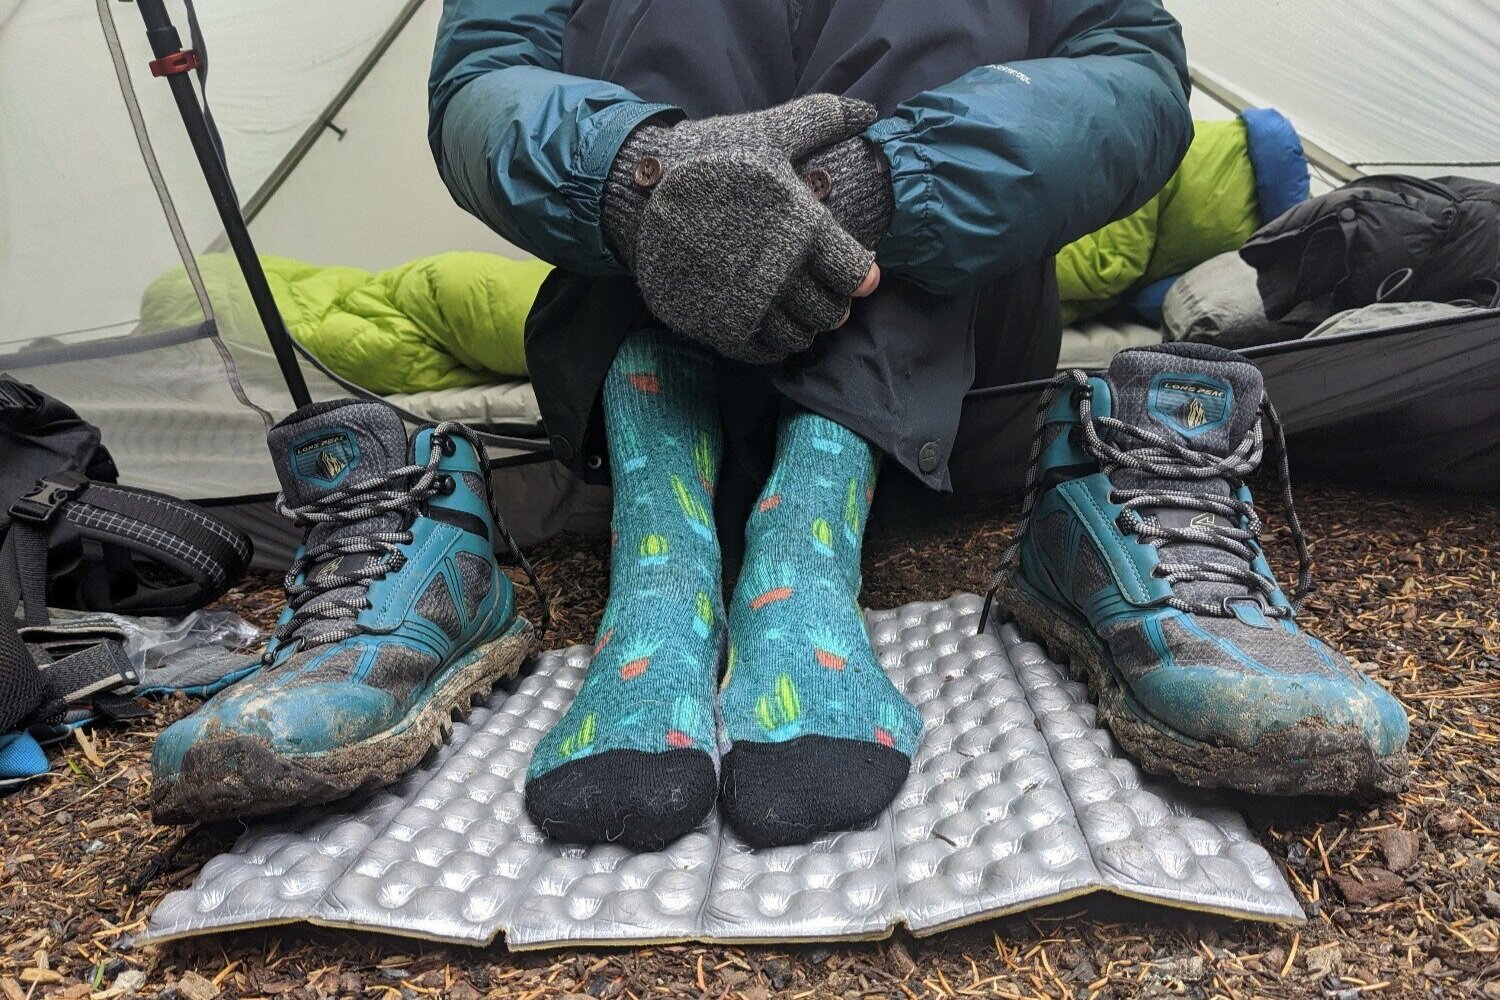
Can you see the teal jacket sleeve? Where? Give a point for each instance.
(520, 144)
(1007, 164)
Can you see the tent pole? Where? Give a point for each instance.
(166, 44)
(1317, 155)
(314, 131)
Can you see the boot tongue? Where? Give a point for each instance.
(1198, 396)
(332, 446)
(338, 446)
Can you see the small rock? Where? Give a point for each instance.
(1375, 885)
(461, 990)
(192, 986)
(731, 977)
(1400, 847)
(900, 959)
(1189, 969)
(1492, 990)
(819, 955)
(755, 991)
(94, 847)
(1273, 960)
(1447, 822)
(602, 985)
(778, 972)
(1324, 960)
(1490, 902)
(1084, 972)
(130, 981)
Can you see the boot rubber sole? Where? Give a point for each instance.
(244, 777)
(1304, 759)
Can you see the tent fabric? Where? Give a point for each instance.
(1400, 85)
(274, 65)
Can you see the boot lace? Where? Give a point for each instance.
(1157, 455)
(401, 491)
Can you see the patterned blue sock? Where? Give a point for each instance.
(819, 737)
(635, 760)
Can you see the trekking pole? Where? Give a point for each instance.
(174, 63)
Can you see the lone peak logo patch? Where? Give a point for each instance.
(1190, 404)
(325, 458)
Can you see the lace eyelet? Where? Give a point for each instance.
(1077, 396)
(445, 443)
(445, 485)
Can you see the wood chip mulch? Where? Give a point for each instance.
(1401, 895)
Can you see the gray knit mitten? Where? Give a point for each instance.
(726, 241)
(853, 179)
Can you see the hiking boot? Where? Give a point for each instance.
(397, 616)
(1137, 561)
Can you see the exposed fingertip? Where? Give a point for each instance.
(871, 282)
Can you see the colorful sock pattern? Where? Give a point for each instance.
(819, 737)
(635, 760)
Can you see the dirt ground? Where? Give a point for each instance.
(1401, 896)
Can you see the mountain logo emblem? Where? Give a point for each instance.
(325, 457)
(1204, 520)
(1195, 416)
(1190, 403)
(330, 465)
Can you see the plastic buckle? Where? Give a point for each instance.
(177, 62)
(45, 499)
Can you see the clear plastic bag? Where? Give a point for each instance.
(197, 654)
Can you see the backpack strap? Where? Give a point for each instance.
(116, 523)
(42, 671)
(43, 667)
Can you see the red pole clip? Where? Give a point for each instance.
(177, 62)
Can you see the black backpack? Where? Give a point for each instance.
(1381, 238)
(71, 537)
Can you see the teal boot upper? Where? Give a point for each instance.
(395, 584)
(1144, 536)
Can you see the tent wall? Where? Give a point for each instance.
(1405, 86)
(371, 196)
(80, 228)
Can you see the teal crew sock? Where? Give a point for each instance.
(819, 738)
(635, 759)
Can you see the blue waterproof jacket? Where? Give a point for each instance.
(986, 168)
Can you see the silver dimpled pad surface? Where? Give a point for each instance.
(1016, 798)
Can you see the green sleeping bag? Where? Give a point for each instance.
(454, 319)
(1208, 207)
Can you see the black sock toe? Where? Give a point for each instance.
(788, 793)
(632, 797)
